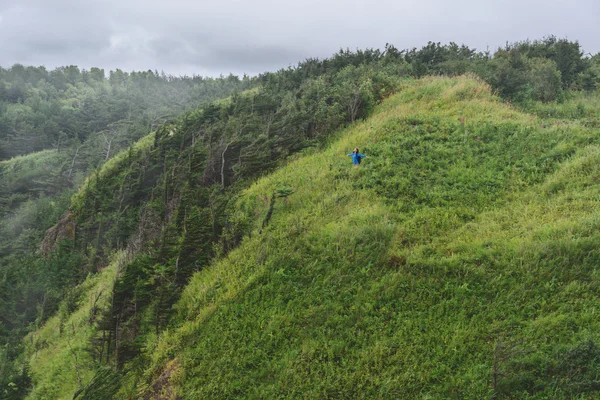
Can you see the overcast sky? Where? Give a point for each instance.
(220, 36)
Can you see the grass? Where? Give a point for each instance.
(577, 105)
(43, 156)
(459, 261)
(29, 173)
(59, 358)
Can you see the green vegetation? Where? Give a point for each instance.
(68, 107)
(153, 200)
(234, 252)
(457, 261)
(56, 127)
(59, 351)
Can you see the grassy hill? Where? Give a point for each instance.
(459, 261)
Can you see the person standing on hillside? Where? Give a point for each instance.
(356, 157)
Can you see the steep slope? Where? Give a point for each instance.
(55, 128)
(459, 261)
(165, 204)
(59, 356)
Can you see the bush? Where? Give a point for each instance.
(544, 79)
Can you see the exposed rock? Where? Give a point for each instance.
(64, 229)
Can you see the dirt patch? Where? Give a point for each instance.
(162, 387)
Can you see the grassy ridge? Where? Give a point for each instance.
(29, 174)
(458, 261)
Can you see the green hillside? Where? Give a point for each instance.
(459, 261)
(57, 127)
(57, 351)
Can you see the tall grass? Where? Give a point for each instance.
(458, 261)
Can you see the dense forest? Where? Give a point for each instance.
(56, 127)
(143, 179)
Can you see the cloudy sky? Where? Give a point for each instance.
(220, 36)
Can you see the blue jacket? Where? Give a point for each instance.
(356, 157)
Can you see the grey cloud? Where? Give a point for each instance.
(252, 56)
(189, 37)
(33, 35)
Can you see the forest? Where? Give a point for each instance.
(140, 210)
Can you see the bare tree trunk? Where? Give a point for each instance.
(94, 309)
(108, 150)
(155, 120)
(73, 161)
(354, 105)
(108, 144)
(76, 359)
(223, 165)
